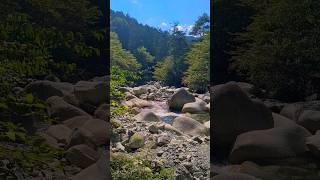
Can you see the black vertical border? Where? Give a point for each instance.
(106, 4)
(212, 65)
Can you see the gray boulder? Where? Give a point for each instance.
(61, 110)
(99, 131)
(310, 120)
(267, 145)
(60, 132)
(82, 155)
(97, 171)
(195, 107)
(147, 115)
(189, 126)
(235, 113)
(102, 112)
(292, 111)
(94, 93)
(45, 89)
(179, 98)
(76, 122)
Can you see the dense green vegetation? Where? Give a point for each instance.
(163, 56)
(280, 50)
(63, 38)
(272, 44)
(128, 168)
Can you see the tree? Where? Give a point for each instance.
(163, 70)
(201, 26)
(197, 75)
(147, 62)
(281, 49)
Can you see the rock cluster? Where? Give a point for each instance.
(165, 127)
(266, 139)
(81, 112)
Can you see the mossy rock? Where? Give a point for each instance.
(136, 141)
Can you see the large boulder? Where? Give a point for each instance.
(94, 93)
(271, 144)
(45, 89)
(137, 91)
(102, 112)
(292, 111)
(99, 130)
(60, 132)
(147, 115)
(313, 143)
(195, 107)
(189, 126)
(136, 102)
(235, 113)
(82, 136)
(310, 120)
(76, 122)
(61, 110)
(97, 171)
(207, 124)
(82, 155)
(179, 98)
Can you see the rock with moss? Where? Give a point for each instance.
(136, 141)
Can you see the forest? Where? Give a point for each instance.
(271, 44)
(173, 58)
(43, 42)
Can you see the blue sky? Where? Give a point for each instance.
(162, 13)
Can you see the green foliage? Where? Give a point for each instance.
(201, 26)
(197, 75)
(134, 35)
(126, 168)
(171, 69)
(163, 70)
(124, 71)
(121, 57)
(281, 47)
(147, 62)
